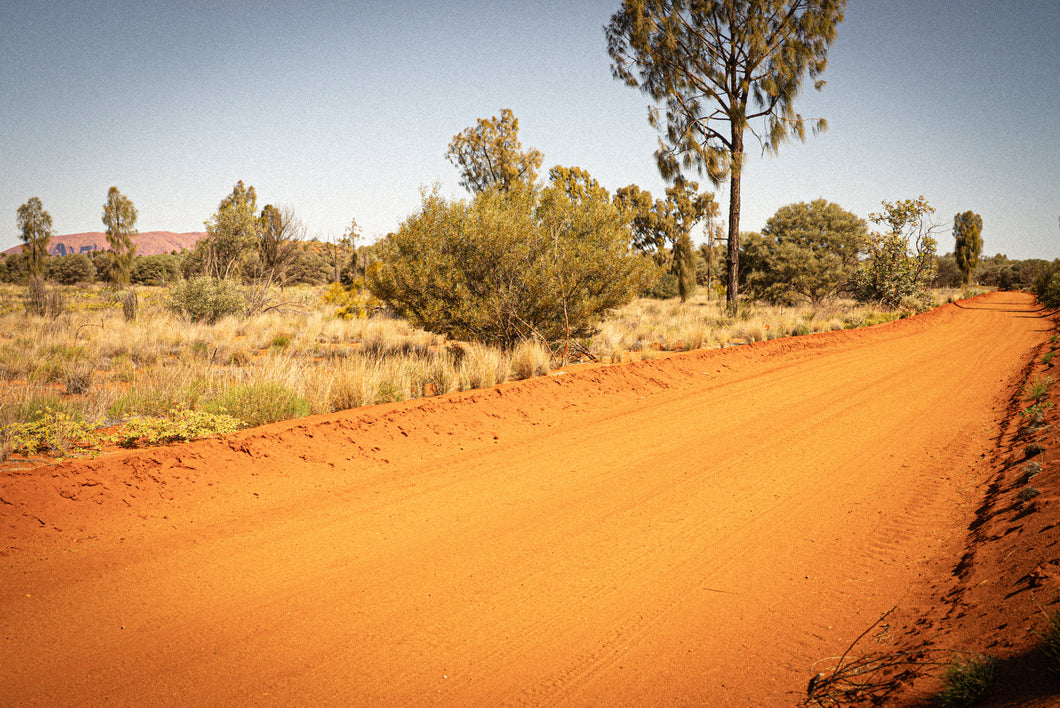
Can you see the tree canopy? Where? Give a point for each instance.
(35, 230)
(509, 265)
(490, 155)
(714, 68)
(119, 216)
(810, 251)
(231, 231)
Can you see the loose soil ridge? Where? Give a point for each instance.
(693, 530)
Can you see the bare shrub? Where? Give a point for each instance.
(43, 301)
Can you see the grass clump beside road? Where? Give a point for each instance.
(967, 680)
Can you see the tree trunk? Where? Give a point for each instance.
(732, 258)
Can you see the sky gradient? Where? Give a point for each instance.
(344, 110)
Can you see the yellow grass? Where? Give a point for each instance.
(93, 363)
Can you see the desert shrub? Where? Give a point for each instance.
(179, 426)
(129, 304)
(1039, 388)
(1033, 449)
(947, 274)
(1047, 287)
(350, 298)
(13, 268)
(72, 269)
(901, 262)
(1026, 494)
(259, 403)
(966, 681)
(106, 264)
(206, 299)
(77, 376)
(1030, 471)
(308, 268)
(51, 431)
(663, 287)
(508, 265)
(155, 270)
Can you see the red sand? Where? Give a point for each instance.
(696, 530)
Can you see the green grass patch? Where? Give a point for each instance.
(965, 681)
(259, 403)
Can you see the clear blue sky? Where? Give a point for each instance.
(344, 110)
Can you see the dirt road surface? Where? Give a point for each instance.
(696, 530)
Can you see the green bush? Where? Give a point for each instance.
(72, 269)
(206, 299)
(13, 268)
(258, 404)
(509, 265)
(1047, 287)
(811, 253)
(663, 287)
(901, 263)
(308, 268)
(179, 426)
(155, 270)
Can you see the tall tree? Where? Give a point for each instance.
(231, 231)
(35, 226)
(119, 216)
(715, 66)
(968, 235)
(489, 154)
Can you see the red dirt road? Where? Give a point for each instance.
(694, 530)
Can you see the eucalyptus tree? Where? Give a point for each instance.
(715, 68)
(35, 226)
(489, 154)
(968, 237)
(119, 216)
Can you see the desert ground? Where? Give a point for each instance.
(703, 529)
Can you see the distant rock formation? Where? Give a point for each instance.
(148, 243)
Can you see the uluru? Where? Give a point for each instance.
(148, 243)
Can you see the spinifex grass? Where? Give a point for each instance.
(699, 323)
